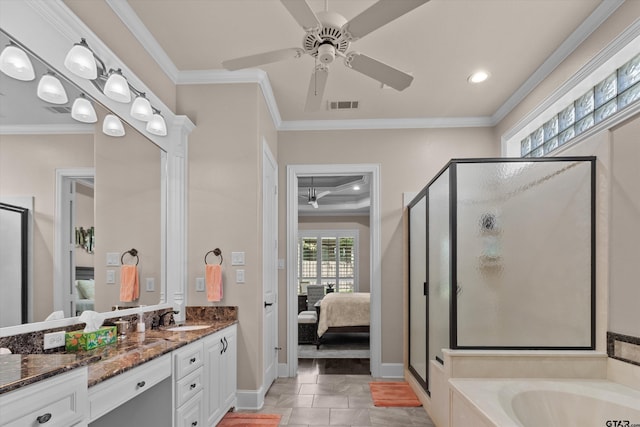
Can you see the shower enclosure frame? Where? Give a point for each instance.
(451, 166)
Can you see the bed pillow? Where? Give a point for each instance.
(86, 288)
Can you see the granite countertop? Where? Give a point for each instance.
(18, 370)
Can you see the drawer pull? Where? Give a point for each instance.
(226, 344)
(194, 385)
(222, 344)
(194, 424)
(43, 418)
(141, 384)
(192, 360)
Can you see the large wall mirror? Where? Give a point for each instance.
(90, 197)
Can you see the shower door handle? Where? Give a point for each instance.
(425, 289)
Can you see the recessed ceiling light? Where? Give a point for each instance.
(478, 77)
(356, 187)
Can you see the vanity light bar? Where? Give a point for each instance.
(83, 62)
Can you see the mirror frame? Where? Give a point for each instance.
(49, 29)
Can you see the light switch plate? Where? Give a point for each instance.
(199, 284)
(239, 276)
(151, 284)
(113, 258)
(237, 258)
(111, 277)
(280, 264)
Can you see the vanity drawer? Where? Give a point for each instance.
(59, 401)
(189, 386)
(115, 391)
(191, 414)
(188, 359)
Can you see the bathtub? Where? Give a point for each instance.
(543, 402)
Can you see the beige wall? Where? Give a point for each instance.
(224, 203)
(360, 223)
(128, 213)
(408, 160)
(28, 166)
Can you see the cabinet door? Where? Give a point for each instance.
(229, 369)
(214, 347)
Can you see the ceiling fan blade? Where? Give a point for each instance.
(302, 12)
(322, 194)
(262, 58)
(316, 88)
(381, 13)
(399, 80)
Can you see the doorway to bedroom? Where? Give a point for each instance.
(332, 223)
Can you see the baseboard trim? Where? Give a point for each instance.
(392, 370)
(283, 370)
(250, 399)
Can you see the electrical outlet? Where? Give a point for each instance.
(111, 277)
(239, 276)
(53, 340)
(199, 284)
(151, 284)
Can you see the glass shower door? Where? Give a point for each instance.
(417, 297)
(439, 266)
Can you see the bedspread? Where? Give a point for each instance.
(343, 309)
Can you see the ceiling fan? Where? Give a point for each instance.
(313, 197)
(329, 34)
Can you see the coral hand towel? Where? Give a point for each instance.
(213, 279)
(129, 285)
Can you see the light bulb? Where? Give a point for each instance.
(112, 126)
(50, 89)
(83, 111)
(157, 125)
(141, 108)
(117, 87)
(81, 62)
(478, 77)
(15, 63)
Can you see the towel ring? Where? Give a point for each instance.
(216, 252)
(132, 252)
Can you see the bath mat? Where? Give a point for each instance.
(389, 393)
(237, 419)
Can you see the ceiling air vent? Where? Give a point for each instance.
(58, 110)
(342, 105)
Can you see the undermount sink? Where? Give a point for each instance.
(187, 328)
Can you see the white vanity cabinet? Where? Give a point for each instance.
(57, 401)
(131, 388)
(188, 386)
(220, 373)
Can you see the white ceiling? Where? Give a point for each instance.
(440, 43)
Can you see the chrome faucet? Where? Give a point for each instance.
(160, 320)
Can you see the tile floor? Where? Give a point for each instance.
(317, 398)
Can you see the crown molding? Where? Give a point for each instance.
(61, 129)
(131, 20)
(629, 35)
(128, 16)
(571, 43)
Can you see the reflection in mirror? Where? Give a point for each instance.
(71, 175)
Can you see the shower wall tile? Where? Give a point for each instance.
(623, 373)
(624, 347)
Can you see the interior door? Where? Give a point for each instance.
(270, 266)
(68, 255)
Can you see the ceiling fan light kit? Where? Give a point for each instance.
(329, 34)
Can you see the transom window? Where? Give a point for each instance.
(328, 257)
(617, 91)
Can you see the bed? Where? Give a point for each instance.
(85, 289)
(342, 313)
